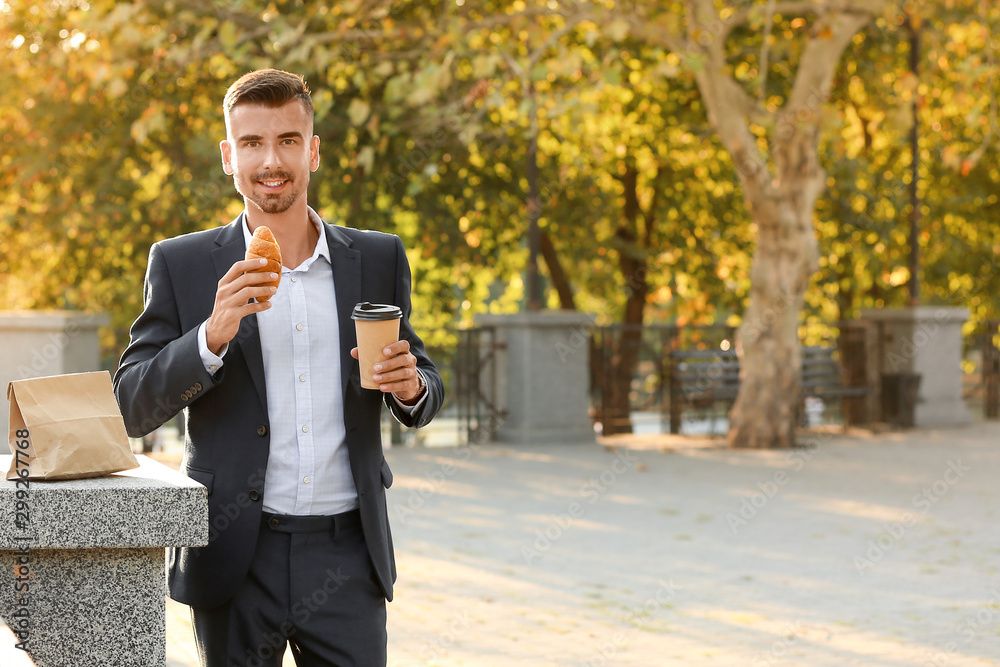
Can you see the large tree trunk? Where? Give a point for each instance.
(765, 411)
(780, 187)
(787, 256)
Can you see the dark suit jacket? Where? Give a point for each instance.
(227, 440)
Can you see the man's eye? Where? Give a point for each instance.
(251, 144)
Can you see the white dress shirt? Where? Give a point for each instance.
(308, 469)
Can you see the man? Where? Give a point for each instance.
(279, 429)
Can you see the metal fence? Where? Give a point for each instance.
(646, 400)
(477, 384)
(630, 373)
(468, 360)
(636, 383)
(981, 369)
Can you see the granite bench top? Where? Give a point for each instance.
(150, 506)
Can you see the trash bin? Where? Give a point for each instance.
(899, 398)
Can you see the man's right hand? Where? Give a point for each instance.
(233, 301)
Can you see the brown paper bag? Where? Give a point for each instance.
(66, 427)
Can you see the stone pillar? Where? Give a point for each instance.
(544, 378)
(926, 340)
(82, 577)
(46, 342)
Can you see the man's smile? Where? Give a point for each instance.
(274, 184)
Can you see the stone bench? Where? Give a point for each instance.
(82, 577)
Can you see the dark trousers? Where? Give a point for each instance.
(311, 584)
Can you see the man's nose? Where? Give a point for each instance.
(271, 159)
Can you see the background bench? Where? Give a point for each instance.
(706, 382)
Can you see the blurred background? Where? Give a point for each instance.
(442, 121)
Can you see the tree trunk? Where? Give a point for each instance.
(765, 411)
(632, 260)
(787, 255)
(556, 273)
(623, 364)
(845, 297)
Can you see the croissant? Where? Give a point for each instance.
(263, 245)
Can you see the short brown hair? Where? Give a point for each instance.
(267, 87)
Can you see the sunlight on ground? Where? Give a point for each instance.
(513, 556)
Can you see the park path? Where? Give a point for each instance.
(861, 549)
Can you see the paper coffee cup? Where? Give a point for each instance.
(377, 325)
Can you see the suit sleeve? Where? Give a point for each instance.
(160, 372)
(435, 385)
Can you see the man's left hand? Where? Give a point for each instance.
(398, 373)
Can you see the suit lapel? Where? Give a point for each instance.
(347, 286)
(231, 249)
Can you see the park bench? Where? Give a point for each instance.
(823, 377)
(707, 381)
(702, 381)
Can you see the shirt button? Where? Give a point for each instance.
(306, 480)
(305, 429)
(212, 368)
(294, 279)
(302, 378)
(298, 327)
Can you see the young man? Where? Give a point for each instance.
(279, 429)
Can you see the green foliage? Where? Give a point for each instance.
(864, 220)
(111, 119)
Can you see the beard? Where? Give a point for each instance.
(269, 202)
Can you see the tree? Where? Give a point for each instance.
(781, 188)
(863, 220)
(767, 110)
(623, 173)
(112, 117)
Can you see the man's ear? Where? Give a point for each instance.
(226, 149)
(314, 153)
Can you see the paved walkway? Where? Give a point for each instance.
(860, 550)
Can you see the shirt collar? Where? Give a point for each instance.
(322, 248)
